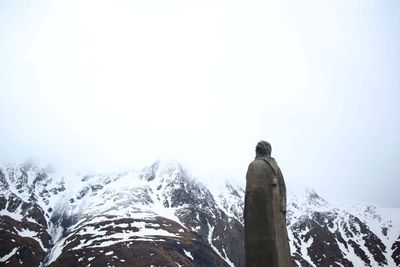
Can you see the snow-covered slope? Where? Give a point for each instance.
(162, 216)
(325, 234)
(28, 196)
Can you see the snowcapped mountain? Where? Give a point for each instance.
(162, 216)
(342, 234)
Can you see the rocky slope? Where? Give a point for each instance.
(161, 216)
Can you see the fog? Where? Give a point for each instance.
(109, 85)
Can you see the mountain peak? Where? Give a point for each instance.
(161, 215)
(301, 196)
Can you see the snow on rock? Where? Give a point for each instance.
(162, 212)
(188, 254)
(9, 255)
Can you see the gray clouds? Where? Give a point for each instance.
(103, 85)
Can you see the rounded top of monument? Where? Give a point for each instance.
(263, 148)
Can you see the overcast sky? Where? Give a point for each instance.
(105, 85)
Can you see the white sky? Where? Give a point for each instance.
(113, 84)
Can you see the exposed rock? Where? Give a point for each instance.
(164, 217)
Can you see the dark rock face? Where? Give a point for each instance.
(125, 226)
(396, 251)
(161, 216)
(323, 250)
(83, 249)
(24, 234)
(335, 237)
(16, 236)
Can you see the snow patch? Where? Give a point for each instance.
(188, 254)
(14, 215)
(209, 238)
(9, 255)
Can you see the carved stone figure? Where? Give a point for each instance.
(266, 237)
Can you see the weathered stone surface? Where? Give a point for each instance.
(266, 237)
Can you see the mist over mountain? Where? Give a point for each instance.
(161, 215)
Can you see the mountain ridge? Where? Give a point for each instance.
(161, 215)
